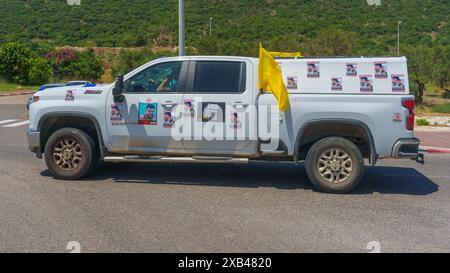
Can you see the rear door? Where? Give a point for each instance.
(143, 121)
(218, 94)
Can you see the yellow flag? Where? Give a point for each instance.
(286, 54)
(271, 80)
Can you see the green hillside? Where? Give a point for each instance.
(131, 23)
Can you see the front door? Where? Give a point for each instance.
(142, 122)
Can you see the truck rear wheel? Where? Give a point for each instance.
(70, 154)
(334, 165)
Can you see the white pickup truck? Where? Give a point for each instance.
(210, 110)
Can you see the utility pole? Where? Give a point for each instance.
(181, 22)
(210, 25)
(398, 37)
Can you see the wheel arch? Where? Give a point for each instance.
(345, 123)
(68, 118)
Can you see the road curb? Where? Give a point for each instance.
(434, 150)
(17, 93)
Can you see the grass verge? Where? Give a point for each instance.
(12, 87)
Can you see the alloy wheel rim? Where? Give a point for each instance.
(335, 165)
(68, 153)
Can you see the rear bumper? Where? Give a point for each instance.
(34, 142)
(406, 148)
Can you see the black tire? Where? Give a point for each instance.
(81, 165)
(344, 180)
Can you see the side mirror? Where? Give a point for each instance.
(118, 88)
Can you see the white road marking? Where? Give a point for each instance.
(7, 121)
(17, 124)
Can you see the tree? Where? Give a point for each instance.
(420, 65)
(88, 66)
(441, 67)
(332, 41)
(208, 46)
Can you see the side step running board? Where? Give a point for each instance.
(160, 159)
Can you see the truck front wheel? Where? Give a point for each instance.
(69, 154)
(334, 165)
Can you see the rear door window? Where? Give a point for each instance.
(219, 77)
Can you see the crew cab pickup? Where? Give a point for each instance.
(210, 110)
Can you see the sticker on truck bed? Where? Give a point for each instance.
(366, 84)
(336, 84)
(313, 70)
(398, 82)
(352, 69)
(292, 82)
(381, 70)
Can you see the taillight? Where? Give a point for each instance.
(35, 98)
(409, 104)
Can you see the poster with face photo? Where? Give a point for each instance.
(148, 113)
(366, 84)
(70, 96)
(169, 118)
(336, 84)
(117, 112)
(292, 82)
(398, 82)
(189, 109)
(313, 69)
(381, 70)
(213, 112)
(352, 69)
(236, 117)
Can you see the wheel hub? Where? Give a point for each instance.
(67, 153)
(335, 165)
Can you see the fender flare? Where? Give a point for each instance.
(92, 118)
(373, 153)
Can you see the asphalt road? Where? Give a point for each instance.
(260, 207)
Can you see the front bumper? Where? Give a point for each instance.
(406, 148)
(34, 142)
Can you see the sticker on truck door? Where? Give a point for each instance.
(148, 112)
(213, 112)
(366, 84)
(189, 109)
(169, 113)
(117, 114)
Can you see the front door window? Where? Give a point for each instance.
(158, 78)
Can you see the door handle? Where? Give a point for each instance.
(168, 104)
(239, 105)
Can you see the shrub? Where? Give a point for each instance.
(20, 64)
(39, 71)
(14, 62)
(422, 122)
